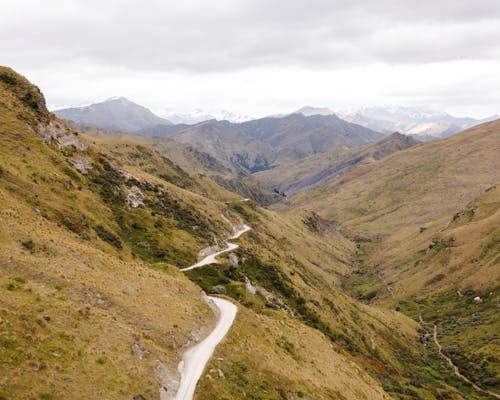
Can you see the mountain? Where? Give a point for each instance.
(94, 233)
(314, 170)
(198, 115)
(116, 113)
(196, 162)
(297, 136)
(426, 222)
(427, 124)
(309, 110)
(259, 144)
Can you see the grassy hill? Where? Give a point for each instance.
(93, 234)
(426, 225)
(316, 169)
(196, 162)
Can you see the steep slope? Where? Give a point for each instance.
(297, 136)
(80, 298)
(426, 222)
(88, 289)
(92, 301)
(316, 169)
(196, 162)
(229, 143)
(116, 113)
(259, 144)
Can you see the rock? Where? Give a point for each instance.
(135, 197)
(62, 135)
(250, 288)
(168, 381)
(138, 351)
(81, 164)
(478, 299)
(233, 260)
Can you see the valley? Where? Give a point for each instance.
(296, 256)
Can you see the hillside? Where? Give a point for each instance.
(297, 136)
(116, 113)
(94, 232)
(196, 162)
(260, 144)
(316, 169)
(426, 223)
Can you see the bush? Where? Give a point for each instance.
(28, 245)
(8, 78)
(30, 100)
(108, 236)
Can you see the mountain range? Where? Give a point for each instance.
(115, 113)
(120, 114)
(375, 278)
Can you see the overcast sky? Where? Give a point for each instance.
(259, 57)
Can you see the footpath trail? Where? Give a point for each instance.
(456, 371)
(196, 358)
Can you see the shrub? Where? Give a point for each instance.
(108, 236)
(30, 100)
(8, 78)
(28, 245)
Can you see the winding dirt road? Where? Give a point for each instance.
(196, 358)
(210, 259)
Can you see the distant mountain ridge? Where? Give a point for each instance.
(115, 113)
(259, 144)
(315, 170)
(424, 123)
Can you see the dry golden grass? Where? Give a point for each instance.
(421, 187)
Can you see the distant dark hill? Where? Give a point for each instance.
(116, 113)
(298, 136)
(317, 169)
(263, 143)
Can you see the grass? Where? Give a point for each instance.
(101, 276)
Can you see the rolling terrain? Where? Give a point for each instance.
(316, 169)
(259, 144)
(96, 231)
(426, 225)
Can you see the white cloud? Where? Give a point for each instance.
(256, 56)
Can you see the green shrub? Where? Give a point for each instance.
(30, 100)
(8, 78)
(28, 245)
(108, 236)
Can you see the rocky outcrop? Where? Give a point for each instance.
(135, 197)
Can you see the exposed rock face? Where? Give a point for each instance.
(169, 382)
(81, 164)
(210, 250)
(250, 288)
(135, 197)
(233, 260)
(138, 351)
(61, 134)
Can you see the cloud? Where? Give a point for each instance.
(227, 35)
(259, 56)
